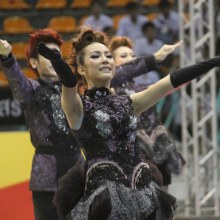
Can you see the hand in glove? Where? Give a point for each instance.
(48, 53)
(62, 69)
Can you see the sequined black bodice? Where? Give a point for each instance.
(109, 128)
(115, 177)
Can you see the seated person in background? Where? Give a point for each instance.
(167, 23)
(149, 43)
(146, 46)
(97, 19)
(131, 24)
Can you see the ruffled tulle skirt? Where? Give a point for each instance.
(117, 202)
(110, 194)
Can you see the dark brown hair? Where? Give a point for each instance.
(117, 42)
(43, 35)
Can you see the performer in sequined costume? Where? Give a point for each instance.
(119, 185)
(123, 74)
(155, 141)
(56, 150)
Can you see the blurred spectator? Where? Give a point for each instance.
(217, 28)
(148, 44)
(217, 16)
(98, 20)
(32, 2)
(110, 31)
(167, 23)
(131, 24)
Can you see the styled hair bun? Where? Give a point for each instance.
(85, 39)
(88, 37)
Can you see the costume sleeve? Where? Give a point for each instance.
(21, 87)
(126, 72)
(189, 73)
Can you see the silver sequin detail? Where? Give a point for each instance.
(133, 122)
(101, 116)
(58, 115)
(132, 125)
(103, 124)
(99, 94)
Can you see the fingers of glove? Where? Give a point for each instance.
(48, 53)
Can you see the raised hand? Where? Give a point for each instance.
(50, 54)
(62, 69)
(5, 48)
(166, 50)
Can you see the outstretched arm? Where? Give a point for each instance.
(71, 101)
(126, 72)
(21, 87)
(145, 99)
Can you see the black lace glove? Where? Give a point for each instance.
(186, 74)
(62, 69)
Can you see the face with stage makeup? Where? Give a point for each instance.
(91, 58)
(98, 65)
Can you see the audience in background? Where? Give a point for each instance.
(167, 22)
(131, 24)
(148, 44)
(110, 31)
(97, 19)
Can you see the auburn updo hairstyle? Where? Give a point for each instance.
(117, 42)
(86, 36)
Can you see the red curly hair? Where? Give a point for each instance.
(43, 35)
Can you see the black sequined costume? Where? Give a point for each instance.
(118, 184)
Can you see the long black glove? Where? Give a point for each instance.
(62, 69)
(186, 74)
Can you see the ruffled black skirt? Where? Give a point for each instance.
(110, 194)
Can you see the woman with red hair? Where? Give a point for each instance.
(155, 141)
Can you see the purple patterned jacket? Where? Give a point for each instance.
(56, 149)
